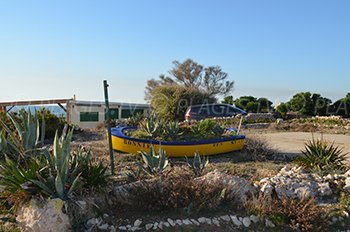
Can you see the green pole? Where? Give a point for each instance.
(108, 121)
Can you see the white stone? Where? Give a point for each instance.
(225, 218)
(194, 221)
(269, 223)
(235, 220)
(187, 222)
(92, 222)
(347, 183)
(216, 222)
(166, 224)
(43, 216)
(149, 226)
(171, 222)
(122, 228)
(324, 189)
(201, 220)
(155, 226)
(254, 218)
(179, 222)
(346, 214)
(266, 188)
(160, 225)
(129, 226)
(137, 223)
(112, 229)
(208, 221)
(246, 222)
(103, 226)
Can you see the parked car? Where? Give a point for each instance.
(199, 112)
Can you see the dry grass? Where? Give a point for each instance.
(177, 189)
(299, 215)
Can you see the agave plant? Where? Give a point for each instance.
(207, 128)
(322, 156)
(198, 164)
(15, 177)
(152, 126)
(30, 136)
(135, 119)
(93, 175)
(171, 131)
(153, 163)
(63, 178)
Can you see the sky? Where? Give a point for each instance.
(270, 48)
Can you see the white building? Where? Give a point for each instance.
(90, 114)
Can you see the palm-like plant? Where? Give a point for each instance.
(63, 178)
(322, 156)
(198, 164)
(153, 163)
(29, 136)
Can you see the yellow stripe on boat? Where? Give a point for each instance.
(123, 143)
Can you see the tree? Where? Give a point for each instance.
(311, 104)
(342, 106)
(282, 109)
(171, 101)
(210, 80)
(250, 103)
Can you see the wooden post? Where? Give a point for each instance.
(108, 120)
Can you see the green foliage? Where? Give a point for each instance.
(135, 119)
(52, 122)
(198, 164)
(93, 175)
(342, 106)
(210, 80)
(320, 156)
(170, 102)
(153, 163)
(171, 131)
(207, 129)
(282, 109)
(27, 138)
(311, 104)
(151, 126)
(17, 177)
(63, 178)
(250, 104)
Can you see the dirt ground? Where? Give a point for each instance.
(293, 142)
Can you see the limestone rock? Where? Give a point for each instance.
(246, 222)
(45, 216)
(235, 221)
(149, 226)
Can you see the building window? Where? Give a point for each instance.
(88, 116)
(114, 113)
(126, 113)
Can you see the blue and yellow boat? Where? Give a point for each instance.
(126, 144)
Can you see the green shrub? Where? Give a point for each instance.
(52, 123)
(92, 175)
(63, 178)
(171, 101)
(207, 129)
(17, 177)
(198, 164)
(26, 139)
(321, 156)
(153, 163)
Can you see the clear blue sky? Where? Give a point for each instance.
(53, 49)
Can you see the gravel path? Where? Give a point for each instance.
(293, 142)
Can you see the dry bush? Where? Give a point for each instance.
(177, 189)
(298, 214)
(259, 149)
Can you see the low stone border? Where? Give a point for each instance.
(244, 222)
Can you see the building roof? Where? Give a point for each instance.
(111, 104)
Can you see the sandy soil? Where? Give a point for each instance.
(293, 142)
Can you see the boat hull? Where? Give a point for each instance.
(123, 143)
